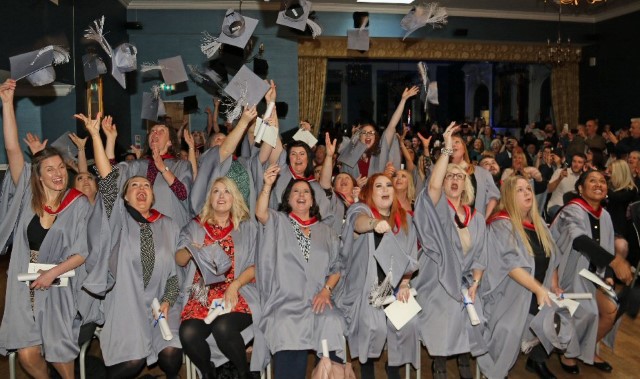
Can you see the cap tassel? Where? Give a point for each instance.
(210, 77)
(209, 45)
(316, 29)
(150, 66)
(95, 33)
(60, 55)
(422, 69)
(155, 92)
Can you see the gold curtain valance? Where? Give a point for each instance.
(394, 48)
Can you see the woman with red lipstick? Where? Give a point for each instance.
(297, 269)
(142, 245)
(585, 236)
(378, 257)
(454, 258)
(48, 225)
(522, 270)
(225, 235)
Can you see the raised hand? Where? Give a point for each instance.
(188, 138)
(305, 125)
(271, 94)
(92, 125)
(408, 92)
(109, 128)
(448, 134)
(136, 150)
(271, 174)
(7, 91)
(361, 180)
(331, 146)
(34, 144)
(425, 141)
(79, 142)
(249, 114)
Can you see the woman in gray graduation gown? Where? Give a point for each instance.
(143, 244)
(452, 236)
(296, 270)
(48, 225)
(170, 176)
(378, 257)
(368, 152)
(521, 270)
(221, 243)
(486, 192)
(584, 234)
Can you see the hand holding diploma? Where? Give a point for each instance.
(471, 309)
(159, 313)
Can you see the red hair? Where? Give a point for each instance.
(397, 212)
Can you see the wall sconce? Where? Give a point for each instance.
(167, 87)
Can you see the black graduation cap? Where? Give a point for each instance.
(359, 18)
(261, 67)
(190, 104)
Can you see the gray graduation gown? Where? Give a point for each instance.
(486, 189)
(338, 210)
(129, 331)
(506, 303)
(287, 284)
(571, 222)
(245, 245)
(444, 325)
(388, 153)
(166, 201)
(367, 327)
(210, 168)
(53, 322)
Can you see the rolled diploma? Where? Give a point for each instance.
(162, 321)
(31, 276)
(576, 296)
(262, 125)
(260, 129)
(216, 309)
(471, 309)
(391, 298)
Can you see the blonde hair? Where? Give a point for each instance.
(621, 177)
(239, 210)
(411, 187)
(508, 204)
(468, 194)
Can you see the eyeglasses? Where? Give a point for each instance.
(370, 133)
(453, 176)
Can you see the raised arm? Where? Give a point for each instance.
(82, 156)
(390, 131)
(440, 168)
(262, 204)
(230, 143)
(10, 130)
(327, 165)
(110, 130)
(93, 127)
(34, 143)
(409, 165)
(188, 138)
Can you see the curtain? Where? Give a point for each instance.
(565, 90)
(312, 78)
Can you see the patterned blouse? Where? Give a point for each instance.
(195, 309)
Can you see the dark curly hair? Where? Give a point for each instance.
(284, 204)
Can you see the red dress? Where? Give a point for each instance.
(195, 309)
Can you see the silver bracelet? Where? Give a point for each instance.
(446, 151)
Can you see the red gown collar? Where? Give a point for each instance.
(299, 177)
(215, 234)
(304, 223)
(468, 215)
(396, 217)
(584, 205)
(68, 199)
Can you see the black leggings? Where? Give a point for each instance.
(226, 331)
(169, 360)
(367, 370)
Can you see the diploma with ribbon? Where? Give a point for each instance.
(216, 309)
(33, 274)
(471, 309)
(161, 320)
(568, 300)
(607, 289)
